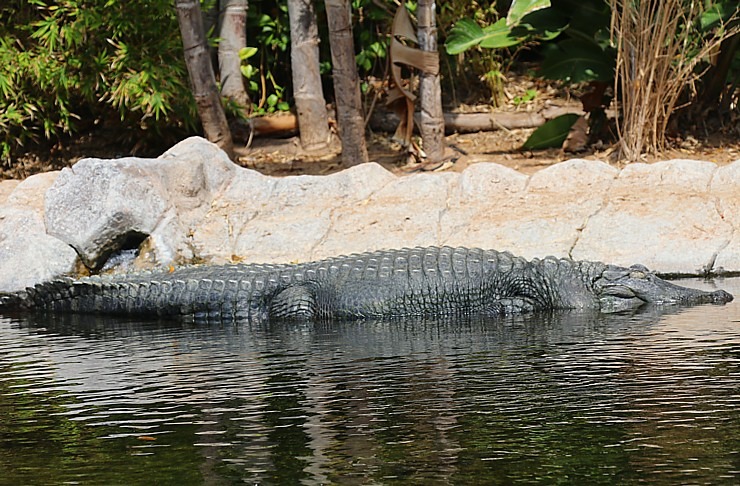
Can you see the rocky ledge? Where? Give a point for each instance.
(193, 204)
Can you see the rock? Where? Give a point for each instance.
(404, 212)
(214, 236)
(725, 187)
(99, 206)
(27, 254)
(268, 219)
(660, 215)
(102, 206)
(6, 187)
(533, 218)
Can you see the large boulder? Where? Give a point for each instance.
(269, 219)
(27, 254)
(393, 212)
(101, 206)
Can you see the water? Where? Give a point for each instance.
(570, 398)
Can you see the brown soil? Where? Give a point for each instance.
(284, 157)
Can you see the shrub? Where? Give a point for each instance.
(68, 64)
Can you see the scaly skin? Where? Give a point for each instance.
(395, 283)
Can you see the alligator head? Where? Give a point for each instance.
(620, 288)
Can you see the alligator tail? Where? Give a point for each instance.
(14, 300)
(41, 296)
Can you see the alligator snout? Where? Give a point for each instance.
(721, 297)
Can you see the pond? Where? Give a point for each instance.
(569, 397)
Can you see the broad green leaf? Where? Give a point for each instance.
(575, 61)
(499, 35)
(551, 133)
(539, 25)
(247, 52)
(465, 34)
(520, 8)
(716, 15)
(543, 24)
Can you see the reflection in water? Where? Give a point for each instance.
(573, 397)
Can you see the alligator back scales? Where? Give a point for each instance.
(407, 282)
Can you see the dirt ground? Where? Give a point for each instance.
(284, 157)
(720, 145)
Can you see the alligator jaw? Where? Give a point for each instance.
(627, 288)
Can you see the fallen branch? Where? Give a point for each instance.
(482, 122)
(387, 121)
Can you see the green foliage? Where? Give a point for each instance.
(722, 15)
(520, 25)
(551, 133)
(248, 70)
(475, 69)
(66, 64)
(576, 61)
(528, 96)
(717, 14)
(520, 8)
(584, 52)
(267, 67)
(370, 25)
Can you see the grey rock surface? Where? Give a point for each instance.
(662, 212)
(28, 255)
(98, 206)
(543, 216)
(725, 192)
(193, 204)
(6, 187)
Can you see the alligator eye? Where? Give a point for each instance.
(638, 274)
(614, 274)
(619, 291)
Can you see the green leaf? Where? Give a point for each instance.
(551, 133)
(520, 8)
(575, 61)
(272, 100)
(528, 96)
(247, 52)
(465, 34)
(714, 16)
(283, 106)
(248, 71)
(500, 35)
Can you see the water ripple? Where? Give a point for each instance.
(653, 396)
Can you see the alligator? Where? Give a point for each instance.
(409, 282)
